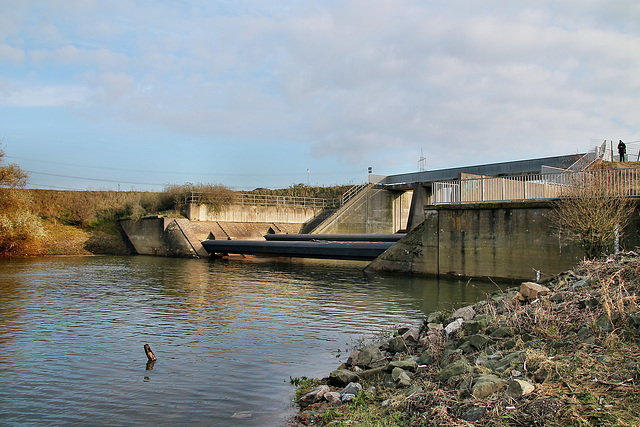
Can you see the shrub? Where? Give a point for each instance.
(19, 228)
(592, 213)
(214, 195)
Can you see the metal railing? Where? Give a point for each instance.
(588, 159)
(248, 199)
(624, 182)
(352, 192)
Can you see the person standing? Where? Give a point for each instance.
(622, 150)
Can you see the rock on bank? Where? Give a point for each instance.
(564, 352)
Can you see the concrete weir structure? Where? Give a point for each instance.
(502, 241)
(509, 241)
(498, 238)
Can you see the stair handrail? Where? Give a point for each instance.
(353, 191)
(589, 158)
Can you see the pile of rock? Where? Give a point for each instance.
(478, 352)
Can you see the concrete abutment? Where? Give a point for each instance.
(506, 241)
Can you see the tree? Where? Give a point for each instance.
(593, 212)
(19, 227)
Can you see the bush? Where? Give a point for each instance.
(214, 195)
(19, 228)
(594, 214)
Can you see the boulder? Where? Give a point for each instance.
(434, 327)
(604, 323)
(370, 356)
(332, 397)
(425, 358)
(454, 369)
(388, 381)
(634, 321)
(465, 313)
(353, 358)
(486, 385)
(476, 325)
(453, 326)
(406, 364)
(531, 290)
(517, 388)
(411, 336)
(580, 284)
(435, 317)
(314, 395)
(372, 373)
(503, 332)
(397, 345)
(401, 377)
(342, 377)
(478, 341)
(584, 333)
(498, 363)
(413, 389)
(350, 391)
(475, 414)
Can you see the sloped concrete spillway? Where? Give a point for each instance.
(307, 246)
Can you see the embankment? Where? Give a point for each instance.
(565, 352)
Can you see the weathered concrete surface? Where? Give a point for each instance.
(147, 235)
(252, 214)
(373, 211)
(499, 240)
(180, 237)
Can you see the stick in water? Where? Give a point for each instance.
(150, 355)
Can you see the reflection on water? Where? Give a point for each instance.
(227, 334)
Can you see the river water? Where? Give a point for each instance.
(228, 334)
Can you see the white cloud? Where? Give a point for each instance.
(11, 54)
(351, 80)
(47, 96)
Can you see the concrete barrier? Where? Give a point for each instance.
(511, 241)
(179, 237)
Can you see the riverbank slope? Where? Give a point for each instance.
(563, 352)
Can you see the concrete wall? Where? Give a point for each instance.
(147, 236)
(374, 211)
(179, 237)
(497, 240)
(249, 213)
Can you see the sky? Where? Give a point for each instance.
(138, 95)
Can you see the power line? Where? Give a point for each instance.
(54, 187)
(178, 172)
(94, 179)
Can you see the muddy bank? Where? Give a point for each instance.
(562, 352)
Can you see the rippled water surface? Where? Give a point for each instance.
(228, 335)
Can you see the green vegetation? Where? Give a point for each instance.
(20, 229)
(331, 194)
(216, 196)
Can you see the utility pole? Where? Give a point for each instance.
(422, 162)
(366, 204)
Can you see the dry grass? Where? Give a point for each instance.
(585, 373)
